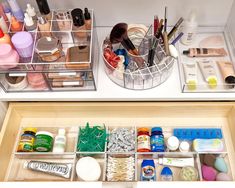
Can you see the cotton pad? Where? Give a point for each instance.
(88, 169)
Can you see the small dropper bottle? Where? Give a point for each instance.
(30, 24)
(31, 11)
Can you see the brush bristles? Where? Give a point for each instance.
(118, 32)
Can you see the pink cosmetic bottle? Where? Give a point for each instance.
(9, 58)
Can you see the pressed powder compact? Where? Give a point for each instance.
(49, 49)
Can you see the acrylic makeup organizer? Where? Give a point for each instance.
(146, 77)
(202, 86)
(16, 171)
(59, 75)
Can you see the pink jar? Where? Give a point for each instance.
(37, 81)
(9, 58)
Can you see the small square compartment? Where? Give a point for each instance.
(17, 171)
(99, 157)
(158, 167)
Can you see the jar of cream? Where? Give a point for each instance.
(49, 49)
(9, 58)
(16, 82)
(43, 141)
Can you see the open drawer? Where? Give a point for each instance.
(71, 116)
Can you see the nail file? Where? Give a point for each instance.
(191, 134)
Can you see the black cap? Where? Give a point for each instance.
(230, 80)
(77, 15)
(43, 7)
(87, 15)
(186, 52)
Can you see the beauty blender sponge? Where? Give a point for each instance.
(208, 173)
(223, 177)
(221, 165)
(209, 159)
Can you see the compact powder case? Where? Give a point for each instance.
(49, 49)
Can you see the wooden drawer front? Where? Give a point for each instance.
(71, 116)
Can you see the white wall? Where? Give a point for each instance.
(231, 26)
(109, 12)
(3, 109)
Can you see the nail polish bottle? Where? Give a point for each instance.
(44, 26)
(3, 25)
(4, 38)
(31, 11)
(7, 10)
(30, 24)
(44, 9)
(87, 16)
(16, 25)
(16, 10)
(79, 23)
(2, 12)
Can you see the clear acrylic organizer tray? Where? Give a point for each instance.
(146, 77)
(17, 171)
(202, 86)
(62, 74)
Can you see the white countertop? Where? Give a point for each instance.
(109, 91)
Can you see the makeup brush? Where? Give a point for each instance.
(119, 34)
(174, 29)
(165, 38)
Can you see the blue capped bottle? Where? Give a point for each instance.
(157, 140)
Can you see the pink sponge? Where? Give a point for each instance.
(208, 173)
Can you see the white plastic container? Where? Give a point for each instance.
(189, 29)
(60, 142)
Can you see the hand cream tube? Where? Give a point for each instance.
(205, 52)
(177, 162)
(227, 71)
(208, 72)
(190, 72)
(57, 169)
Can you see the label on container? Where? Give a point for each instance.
(157, 143)
(26, 143)
(148, 173)
(71, 83)
(43, 143)
(143, 142)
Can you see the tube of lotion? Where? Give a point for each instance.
(205, 52)
(190, 72)
(227, 71)
(208, 72)
(177, 162)
(57, 169)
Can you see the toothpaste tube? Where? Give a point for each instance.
(57, 169)
(208, 145)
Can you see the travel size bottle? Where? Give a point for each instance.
(31, 11)
(189, 29)
(60, 142)
(30, 24)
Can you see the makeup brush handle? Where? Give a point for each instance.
(166, 43)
